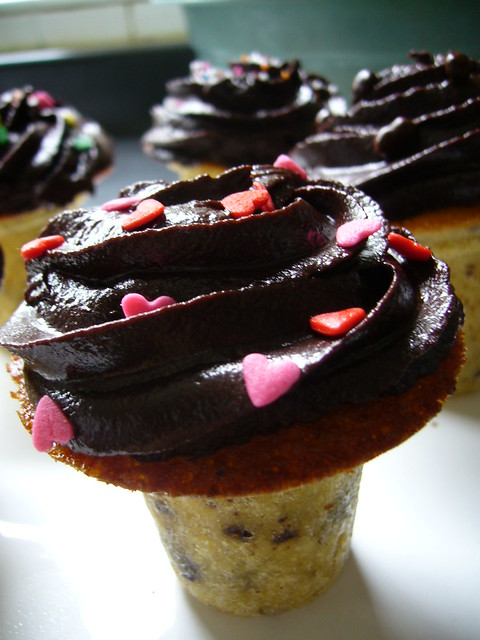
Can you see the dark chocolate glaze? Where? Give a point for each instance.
(411, 139)
(249, 113)
(49, 152)
(170, 381)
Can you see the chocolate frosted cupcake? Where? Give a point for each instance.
(249, 113)
(236, 348)
(411, 140)
(50, 157)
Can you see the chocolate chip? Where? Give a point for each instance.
(457, 66)
(396, 139)
(363, 84)
(186, 568)
(238, 532)
(283, 536)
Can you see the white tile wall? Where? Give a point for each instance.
(130, 24)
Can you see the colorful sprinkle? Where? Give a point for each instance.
(43, 99)
(83, 143)
(337, 323)
(37, 247)
(146, 211)
(268, 204)
(3, 135)
(285, 162)
(50, 425)
(120, 204)
(353, 232)
(409, 249)
(70, 118)
(266, 381)
(245, 203)
(134, 303)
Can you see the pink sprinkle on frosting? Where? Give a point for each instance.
(134, 303)
(266, 381)
(120, 204)
(285, 162)
(50, 425)
(352, 233)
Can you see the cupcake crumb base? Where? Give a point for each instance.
(259, 554)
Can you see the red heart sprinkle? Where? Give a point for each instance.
(352, 233)
(146, 211)
(244, 203)
(37, 247)
(337, 323)
(268, 204)
(50, 425)
(120, 204)
(409, 249)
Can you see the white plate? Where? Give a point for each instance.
(80, 560)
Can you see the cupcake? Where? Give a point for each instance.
(236, 348)
(411, 140)
(249, 113)
(50, 158)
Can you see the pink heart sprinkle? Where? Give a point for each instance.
(135, 303)
(353, 232)
(120, 204)
(266, 381)
(50, 425)
(285, 162)
(43, 99)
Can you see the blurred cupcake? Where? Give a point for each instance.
(411, 140)
(50, 158)
(249, 113)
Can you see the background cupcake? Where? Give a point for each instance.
(50, 157)
(250, 112)
(411, 140)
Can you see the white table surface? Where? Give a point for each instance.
(80, 560)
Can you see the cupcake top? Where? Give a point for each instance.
(249, 113)
(49, 153)
(184, 319)
(411, 138)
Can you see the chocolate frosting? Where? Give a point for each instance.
(49, 152)
(249, 113)
(169, 381)
(411, 138)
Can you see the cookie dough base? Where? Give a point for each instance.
(454, 237)
(259, 554)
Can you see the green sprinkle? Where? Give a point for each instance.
(3, 135)
(82, 143)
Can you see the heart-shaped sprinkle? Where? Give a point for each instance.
(42, 99)
(146, 211)
(337, 323)
(268, 204)
(353, 232)
(266, 381)
(407, 248)
(285, 162)
(37, 247)
(135, 303)
(245, 203)
(50, 425)
(121, 204)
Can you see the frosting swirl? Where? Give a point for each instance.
(171, 380)
(251, 112)
(49, 152)
(411, 138)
